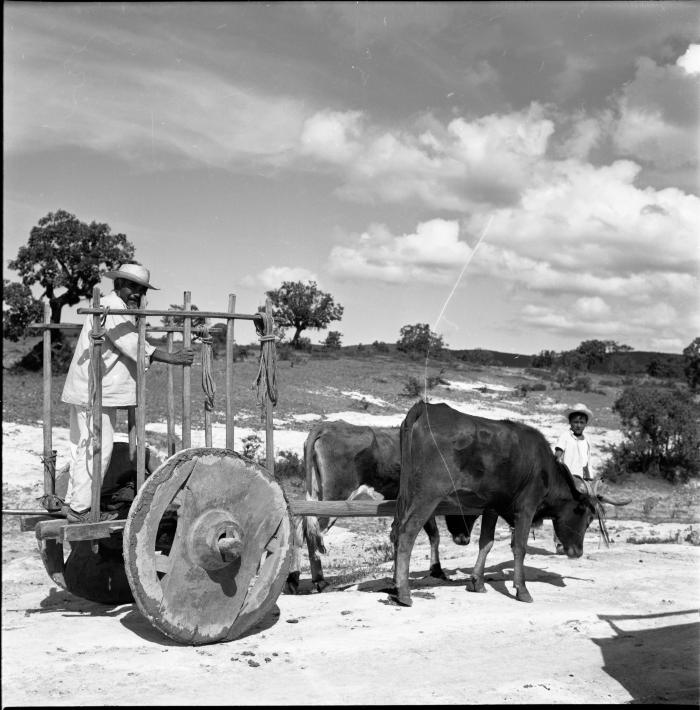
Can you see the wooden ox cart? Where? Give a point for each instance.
(205, 548)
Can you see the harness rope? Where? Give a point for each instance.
(266, 379)
(208, 384)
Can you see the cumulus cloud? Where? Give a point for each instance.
(658, 112)
(273, 276)
(430, 254)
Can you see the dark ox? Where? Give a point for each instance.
(491, 467)
(341, 458)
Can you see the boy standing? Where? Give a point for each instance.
(574, 449)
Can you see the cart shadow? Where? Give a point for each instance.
(667, 654)
(137, 624)
(60, 600)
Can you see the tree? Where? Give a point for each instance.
(661, 433)
(418, 339)
(22, 309)
(64, 253)
(168, 321)
(691, 367)
(301, 306)
(332, 341)
(592, 353)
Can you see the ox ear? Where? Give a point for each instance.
(597, 491)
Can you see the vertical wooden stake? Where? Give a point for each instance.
(206, 357)
(269, 444)
(229, 373)
(186, 379)
(96, 406)
(171, 400)
(49, 453)
(141, 399)
(131, 423)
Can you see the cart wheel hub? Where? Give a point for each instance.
(215, 540)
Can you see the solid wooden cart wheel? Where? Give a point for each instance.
(207, 545)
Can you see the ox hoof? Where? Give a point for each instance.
(522, 595)
(404, 598)
(321, 585)
(475, 585)
(291, 586)
(436, 571)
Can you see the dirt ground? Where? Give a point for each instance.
(619, 625)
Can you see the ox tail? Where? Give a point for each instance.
(312, 529)
(406, 462)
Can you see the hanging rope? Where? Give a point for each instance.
(266, 380)
(208, 384)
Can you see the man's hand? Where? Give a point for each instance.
(181, 357)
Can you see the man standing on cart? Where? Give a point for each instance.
(119, 358)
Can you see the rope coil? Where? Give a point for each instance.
(266, 379)
(208, 384)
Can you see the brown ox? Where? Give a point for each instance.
(491, 467)
(343, 460)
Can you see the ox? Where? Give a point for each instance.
(344, 461)
(490, 467)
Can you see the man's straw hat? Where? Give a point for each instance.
(133, 272)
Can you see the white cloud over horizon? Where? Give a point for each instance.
(590, 229)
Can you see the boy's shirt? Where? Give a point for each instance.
(577, 452)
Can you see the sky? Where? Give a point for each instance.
(519, 176)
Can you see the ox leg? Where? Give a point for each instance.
(431, 529)
(407, 522)
(519, 544)
(488, 530)
(312, 533)
(292, 584)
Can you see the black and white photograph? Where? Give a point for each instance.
(351, 353)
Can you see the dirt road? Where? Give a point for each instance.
(618, 625)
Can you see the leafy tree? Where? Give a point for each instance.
(22, 309)
(301, 306)
(661, 433)
(613, 347)
(592, 353)
(418, 339)
(180, 320)
(691, 368)
(546, 358)
(332, 341)
(67, 255)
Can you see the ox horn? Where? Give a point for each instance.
(597, 484)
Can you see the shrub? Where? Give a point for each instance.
(289, 465)
(251, 447)
(380, 346)
(332, 341)
(582, 383)
(413, 387)
(661, 433)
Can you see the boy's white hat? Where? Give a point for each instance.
(579, 409)
(132, 272)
